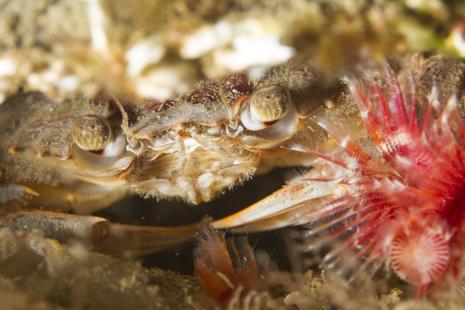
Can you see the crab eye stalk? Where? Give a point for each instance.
(92, 132)
(269, 117)
(266, 106)
(270, 103)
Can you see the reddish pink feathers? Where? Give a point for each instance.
(407, 185)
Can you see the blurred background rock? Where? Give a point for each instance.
(157, 49)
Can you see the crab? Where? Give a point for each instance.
(62, 161)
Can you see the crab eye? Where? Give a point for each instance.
(269, 117)
(270, 103)
(92, 132)
(266, 105)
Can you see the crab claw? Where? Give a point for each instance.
(131, 240)
(288, 206)
(99, 234)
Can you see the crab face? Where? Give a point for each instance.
(209, 140)
(191, 147)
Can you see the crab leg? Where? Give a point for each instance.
(279, 209)
(79, 197)
(99, 234)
